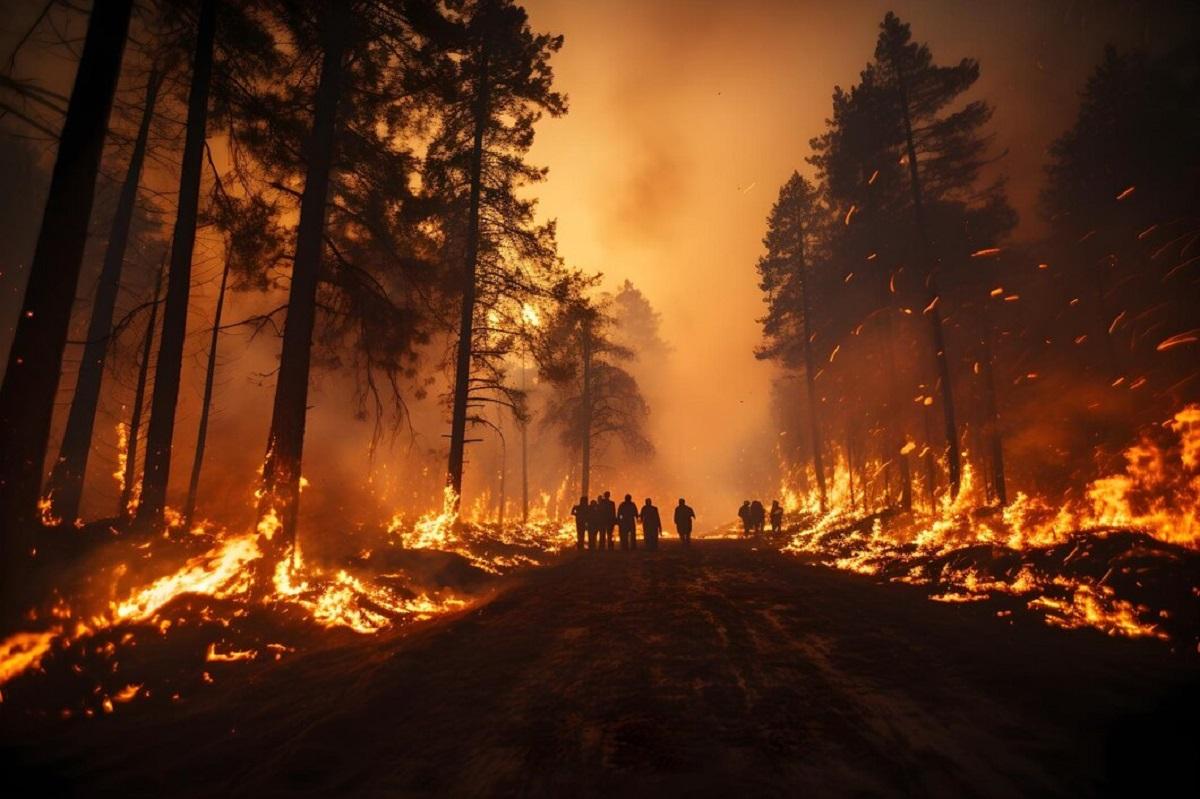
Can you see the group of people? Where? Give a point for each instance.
(595, 520)
(754, 517)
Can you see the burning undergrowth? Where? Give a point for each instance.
(1123, 557)
(158, 618)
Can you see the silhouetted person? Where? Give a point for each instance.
(580, 512)
(593, 523)
(651, 524)
(627, 516)
(758, 517)
(744, 515)
(608, 519)
(683, 521)
(776, 517)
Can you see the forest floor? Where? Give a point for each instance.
(724, 669)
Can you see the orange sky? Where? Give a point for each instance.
(687, 115)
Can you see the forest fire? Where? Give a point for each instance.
(331, 598)
(382, 379)
(1140, 523)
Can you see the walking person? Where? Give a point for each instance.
(627, 516)
(593, 523)
(651, 525)
(744, 515)
(776, 517)
(608, 520)
(758, 517)
(580, 512)
(684, 516)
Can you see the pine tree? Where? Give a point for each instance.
(36, 355)
(944, 152)
(793, 227)
(497, 87)
(596, 398)
(175, 311)
(65, 487)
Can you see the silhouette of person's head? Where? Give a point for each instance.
(681, 502)
(583, 500)
(648, 501)
(745, 502)
(629, 497)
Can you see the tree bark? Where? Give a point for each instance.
(65, 488)
(189, 507)
(170, 351)
(35, 358)
(524, 455)
(462, 369)
(942, 364)
(285, 443)
(139, 396)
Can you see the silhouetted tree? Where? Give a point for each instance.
(165, 396)
(596, 397)
(497, 86)
(65, 487)
(793, 228)
(130, 486)
(944, 151)
(855, 158)
(35, 359)
(1122, 195)
(210, 372)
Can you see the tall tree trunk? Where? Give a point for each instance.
(585, 410)
(156, 473)
(65, 487)
(285, 443)
(993, 418)
(462, 368)
(524, 455)
(932, 309)
(189, 507)
(814, 425)
(503, 468)
(139, 396)
(35, 359)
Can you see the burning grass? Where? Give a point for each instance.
(157, 618)
(1123, 558)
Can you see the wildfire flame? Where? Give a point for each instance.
(1156, 493)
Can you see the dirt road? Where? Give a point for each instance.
(716, 671)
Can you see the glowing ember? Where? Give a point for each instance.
(122, 455)
(233, 655)
(22, 651)
(1157, 493)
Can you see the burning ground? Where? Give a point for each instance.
(143, 617)
(400, 652)
(729, 667)
(1121, 557)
